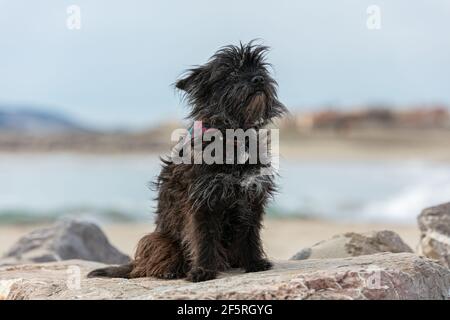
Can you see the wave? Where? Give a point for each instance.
(406, 205)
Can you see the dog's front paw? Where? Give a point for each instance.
(198, 274)
(259, 265)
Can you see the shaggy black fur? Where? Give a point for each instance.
(209, 216)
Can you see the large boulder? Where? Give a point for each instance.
(378, 276)
(65, 240)
(353, 244)
(434, 224)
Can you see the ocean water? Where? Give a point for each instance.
(115, 188)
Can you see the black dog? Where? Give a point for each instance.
(209, 216)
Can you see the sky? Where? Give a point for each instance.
(119, 67)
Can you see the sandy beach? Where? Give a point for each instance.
(282, 237)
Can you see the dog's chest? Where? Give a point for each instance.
(254, 184)
(250, 181)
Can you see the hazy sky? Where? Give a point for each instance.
(118, 69)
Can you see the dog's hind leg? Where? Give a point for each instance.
(158, 255)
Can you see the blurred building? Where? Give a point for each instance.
(435, 117)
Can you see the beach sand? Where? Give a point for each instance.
(282, 237)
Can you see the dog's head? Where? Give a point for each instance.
(233, 89)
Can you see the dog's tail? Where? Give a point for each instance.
(123, 271)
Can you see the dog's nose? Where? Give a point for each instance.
(257, 80)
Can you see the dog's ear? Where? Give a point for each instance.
(189, 79)
(277, 110)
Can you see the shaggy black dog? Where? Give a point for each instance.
(209, 215)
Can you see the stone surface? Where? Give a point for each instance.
(354, 244)
(67, 239)
(378, 276)
(434, 224)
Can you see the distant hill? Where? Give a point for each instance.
(29, 121)
(33, 130)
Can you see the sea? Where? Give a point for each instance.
(36, 188)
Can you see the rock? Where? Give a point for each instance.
(378, 276)
(354, 244)
(65, 240)
(434, 224)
